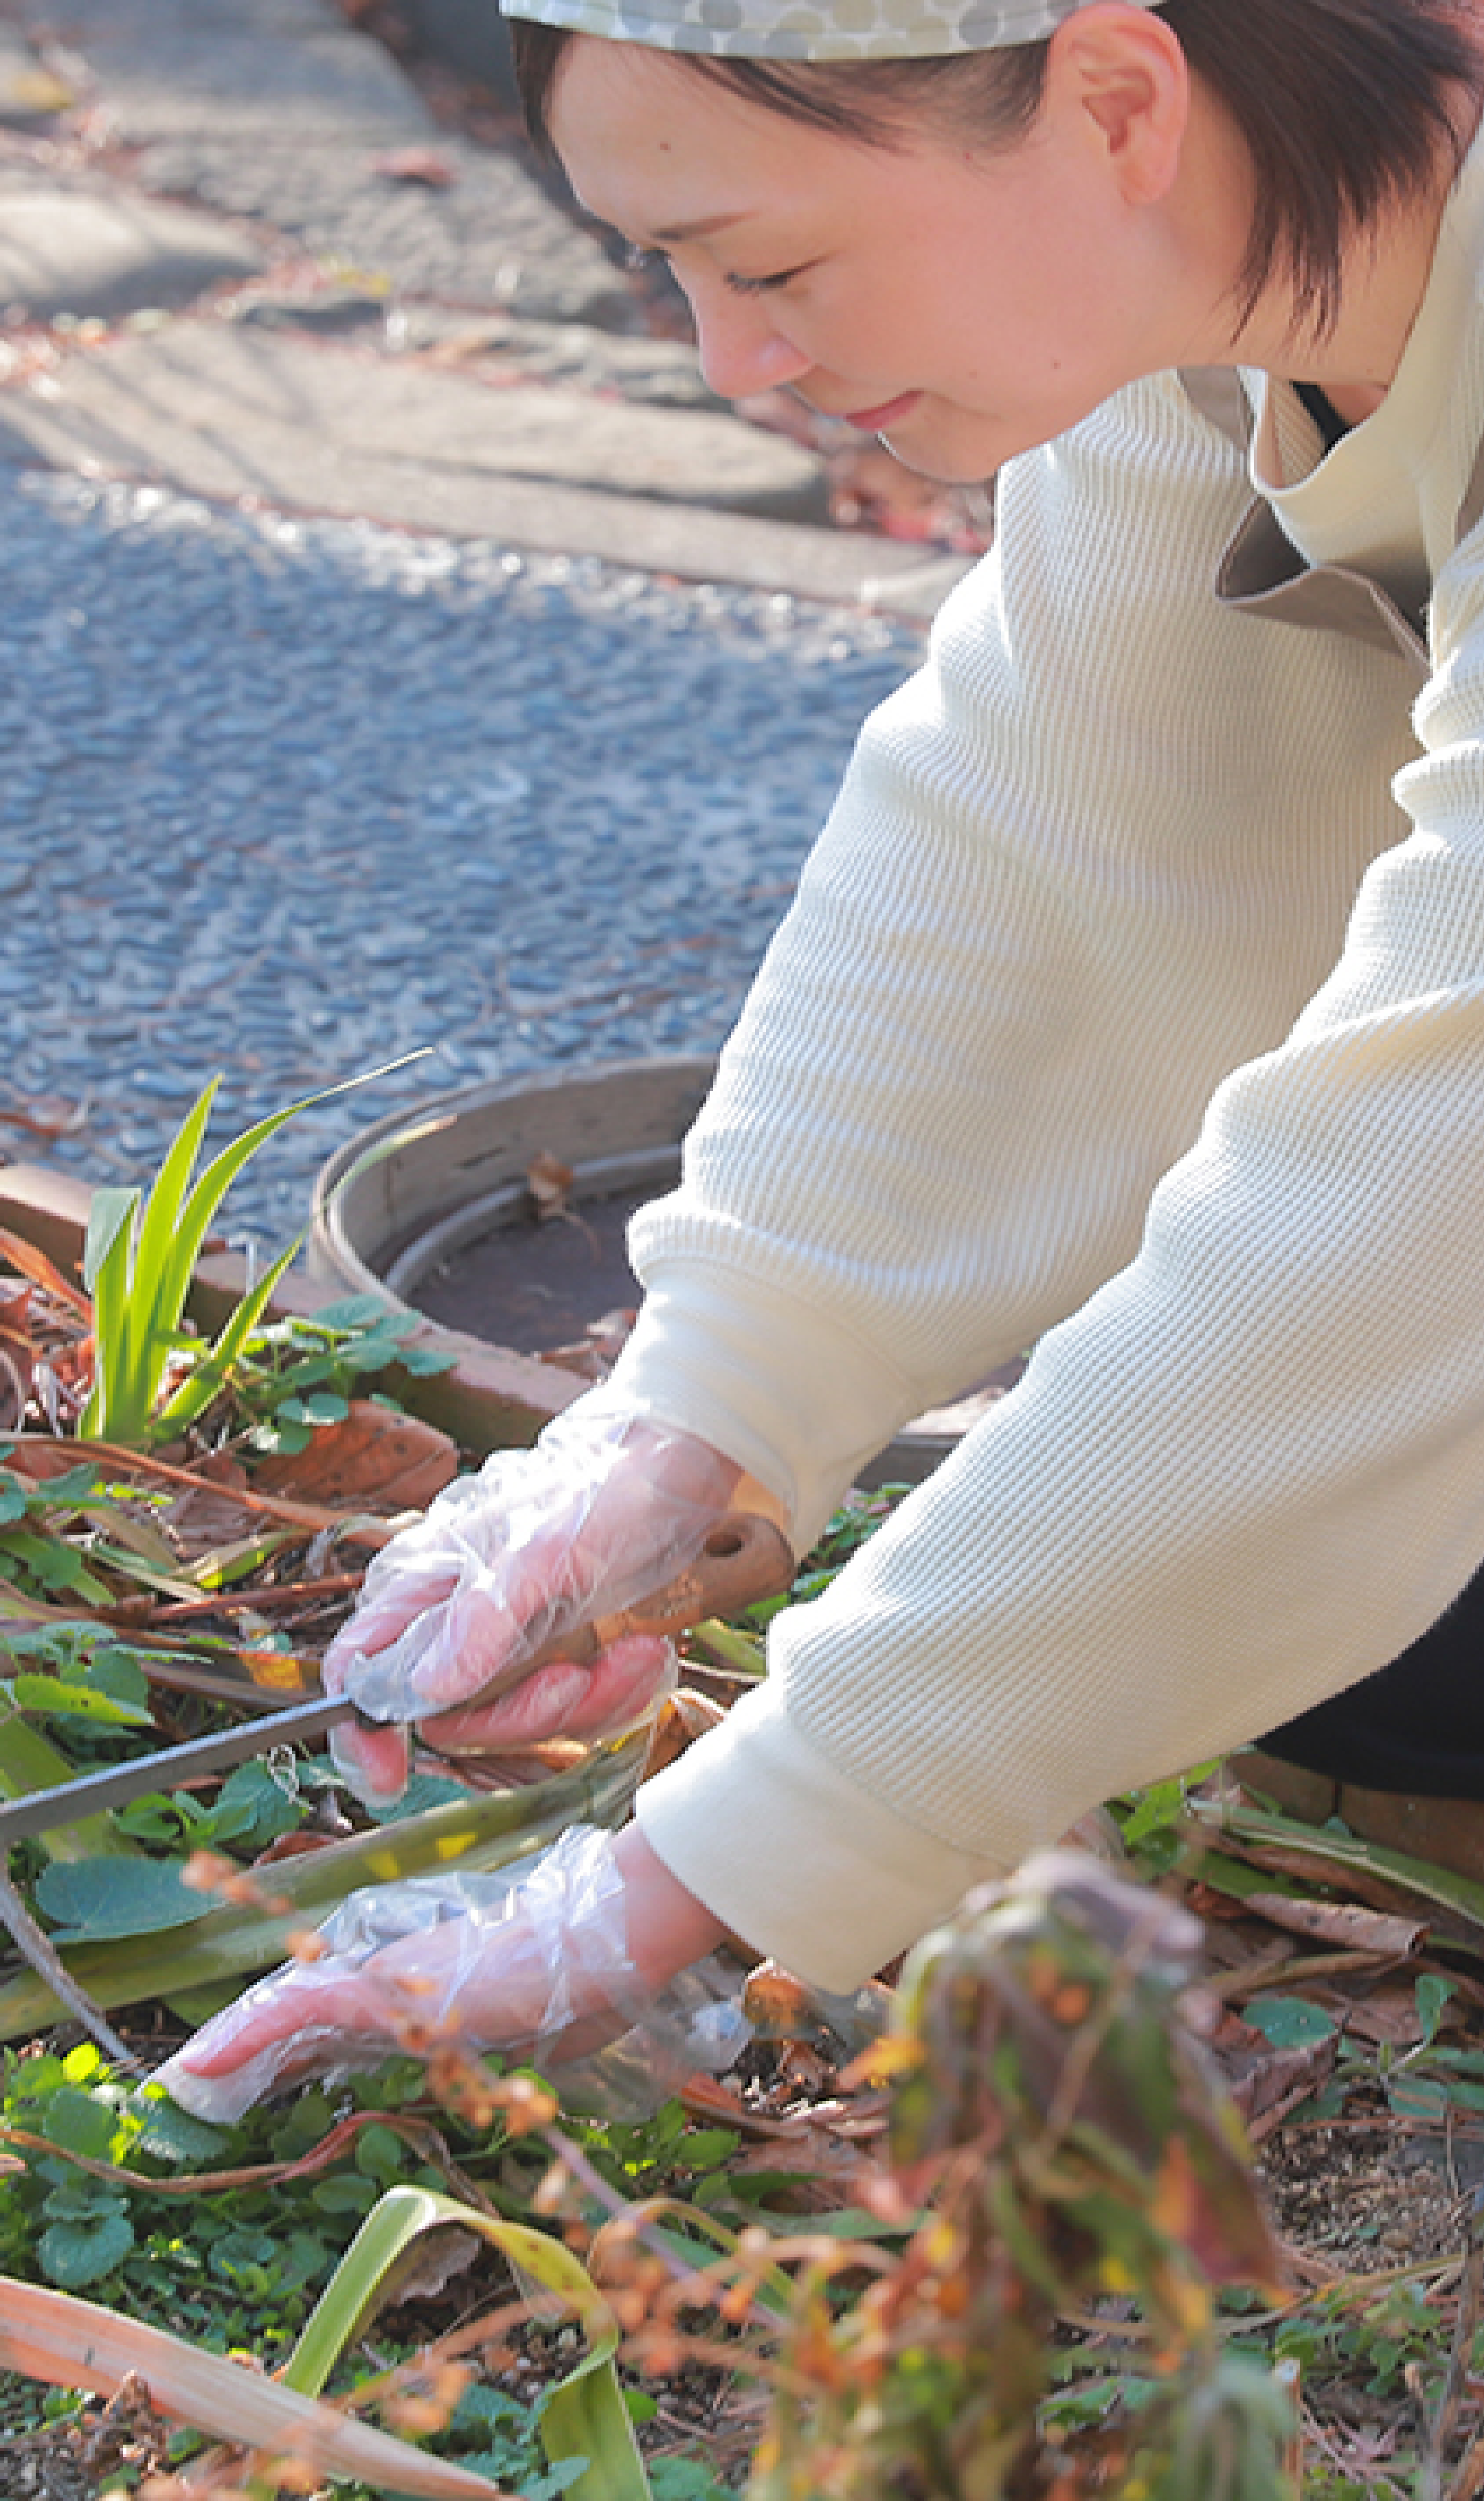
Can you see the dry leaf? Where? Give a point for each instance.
(72, 2344)
(1266, 2082)
(375, 1460)
(549, 1181)
(684, 1716)
(1341, 1923)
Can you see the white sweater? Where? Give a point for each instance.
(1132, 1003)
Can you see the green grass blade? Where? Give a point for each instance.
(211, 1372)
(152, 1318)
(221, 1173)
(107, 1212)
(584, 2415)
(1460, 1899)
(106, 1261)
(139, 1282)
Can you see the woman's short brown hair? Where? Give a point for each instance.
(1343, 106)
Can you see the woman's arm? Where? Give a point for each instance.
(1096, 855)
(1248, 1467)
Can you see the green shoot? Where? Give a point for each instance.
(138, 1262)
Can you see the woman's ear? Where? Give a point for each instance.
(1122, 69)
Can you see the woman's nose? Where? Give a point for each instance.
(742, 351)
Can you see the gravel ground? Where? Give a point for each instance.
(286, 799)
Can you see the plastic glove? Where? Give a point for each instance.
(606, 1508)
(524, 1958)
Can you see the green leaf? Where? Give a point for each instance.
(352, 1312)
(1290, 2023)
(380, 2154)
(108, 1214)
(684, 2479)
(705, 2147)
(170, 2134)
(321, 1407)
(268, 1806)
(55, 1564)
(1416, 2096)
(117, 1897)
(158, 1280)
(106, 1274)
(281, 1441)
(584, 2424)
(115, 1670)
(14, 1503)
(196, 1393)
(79, 2123)
(138, 1274)
(149, 1819)
(344, 2196)
(1432, 1996)
(71, 1489)
(51, 1699)
(423, 1791)
(241, 2255)
(78, 2253)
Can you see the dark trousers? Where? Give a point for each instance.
(1416, 1726)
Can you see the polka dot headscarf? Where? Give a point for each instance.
(809, 30)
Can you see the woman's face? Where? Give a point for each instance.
(965, 306)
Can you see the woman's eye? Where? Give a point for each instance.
(638, 256)
(760, 285)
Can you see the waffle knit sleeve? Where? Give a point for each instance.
(1120, 1008)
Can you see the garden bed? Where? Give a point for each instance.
(1342, 1989)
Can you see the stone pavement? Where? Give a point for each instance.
(403, 651)
(268, 274)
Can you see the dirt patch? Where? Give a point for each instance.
(1364, 2199)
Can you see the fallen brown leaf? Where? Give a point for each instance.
(549, 1181)
(1341, 1923)
(72, 2344)
(1266, 2082)
(375, 1459)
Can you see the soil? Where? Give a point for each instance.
(537, 1285)
(1363, 2199)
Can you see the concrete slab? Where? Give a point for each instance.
(495, 236)
(662, 373)
(73, 250)
(259, 417)
(155, 82)
(222, 407)
(74, 20)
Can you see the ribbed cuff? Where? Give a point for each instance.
(797, 1858)
(793, 1400)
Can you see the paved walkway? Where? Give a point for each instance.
(402, 649)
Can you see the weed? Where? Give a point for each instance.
(296, 1372)
(138, 1261)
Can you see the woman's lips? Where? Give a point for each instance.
(871, 420)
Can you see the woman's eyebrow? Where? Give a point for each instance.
(697, 227)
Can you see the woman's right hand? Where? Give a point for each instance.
(605, 1509)
(558, 1962)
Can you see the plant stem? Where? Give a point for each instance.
(45, 1960)
(297, 1515)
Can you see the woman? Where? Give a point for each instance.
(1133, 1001)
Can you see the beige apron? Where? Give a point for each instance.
(1261, 572)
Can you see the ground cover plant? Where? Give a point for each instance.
(1017, 2251)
